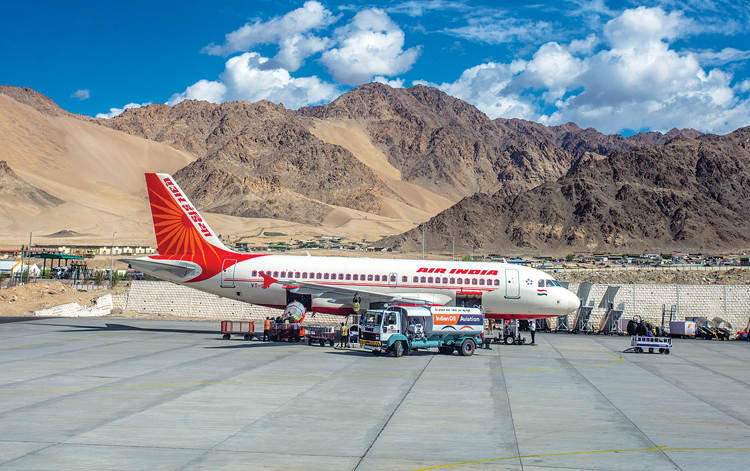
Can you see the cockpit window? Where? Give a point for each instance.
(541, 283)
(552, 283)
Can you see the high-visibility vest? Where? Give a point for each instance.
(267, 325)
(356, 307)
(343, 330)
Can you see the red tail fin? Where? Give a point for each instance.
(181, 233)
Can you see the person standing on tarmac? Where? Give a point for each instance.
(344, 335)
(532, 329)
(267, 329)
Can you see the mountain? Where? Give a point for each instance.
(577, 141)
(688, 194)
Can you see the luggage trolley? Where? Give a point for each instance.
(638, 343)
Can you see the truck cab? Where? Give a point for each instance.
(401, 329)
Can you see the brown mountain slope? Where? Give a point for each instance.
(685, 195)
(259, 160)
(444, 144)
(577, 141)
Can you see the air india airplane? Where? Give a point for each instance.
(190, 253)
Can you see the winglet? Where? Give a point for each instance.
(267, 280)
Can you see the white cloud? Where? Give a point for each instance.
(81, 95)
(291, 32)
(116, 111)
(246, 78)
(636, 80)
(725, 56)
(420, 7)
(395, 83)
(496, 26)
(371, 44)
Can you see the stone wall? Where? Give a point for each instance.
(730, 302)
(161, 297)
(102, 306)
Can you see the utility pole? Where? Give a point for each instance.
(422, 238)
(112, 262)
(479, 248)
(472, 251)
(28, 265)
(453, 251)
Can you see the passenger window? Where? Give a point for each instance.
(393, 278)
(445, 280)
(453, 281)
(423, 280)
(473, 281)
(304, 274)
(275, 274)
(255, 273)
(325, 277)
(403, 279)
(362, 277)
(348, 276)
(385, 278)
(481, 281)
(283, 274)
(497, 282)
(341, 276)
(416, 279)
(296, 274)
(489, 282)
(466, 281)
(356, 277)
(429, 280)
(369, 277)
(377, 277)
(460, 281)
(319, 276)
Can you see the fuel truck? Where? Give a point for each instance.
(401, 329)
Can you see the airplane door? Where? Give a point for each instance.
(512, 285)
(392, 280)
(227, 273)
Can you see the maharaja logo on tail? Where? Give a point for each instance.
(182, 201)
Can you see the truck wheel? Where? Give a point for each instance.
(650, 350)
(467, 347)
(297, 339)
(446, 350)
(248, 336)
(322, 343)
(330, 343)
(309, 341)
(398, 349)
(639, 350)
(509, 340)
(666, 351)
(226, 336)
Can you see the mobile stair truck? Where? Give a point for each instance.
(401, 329)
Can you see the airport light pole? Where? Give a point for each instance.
(479, 248)
(453, 252)
(472, 251)
(422, 238)
(112, 262)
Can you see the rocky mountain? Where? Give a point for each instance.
(688, 194)
(444, 144)
(17, 193)
(577, 141)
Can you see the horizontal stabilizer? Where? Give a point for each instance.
(178, 268)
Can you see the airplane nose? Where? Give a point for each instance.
(573, 302)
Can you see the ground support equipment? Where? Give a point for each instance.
(639, 343)
(290, 332)
(246, 328)
(320, 334)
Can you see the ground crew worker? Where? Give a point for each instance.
(532, 329)
(267, 329)
(344, 335)
(356, 301)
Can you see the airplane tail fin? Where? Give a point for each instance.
(181, 232)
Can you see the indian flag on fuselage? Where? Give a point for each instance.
(541, 292)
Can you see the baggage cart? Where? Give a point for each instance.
(288, 331)
(320, 334)
(638, 343)
(245, 328)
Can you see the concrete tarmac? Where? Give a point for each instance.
(93, 394)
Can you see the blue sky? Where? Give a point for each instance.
(615, 66)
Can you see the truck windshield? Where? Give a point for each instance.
(372, 318)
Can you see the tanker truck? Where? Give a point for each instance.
(401, 329)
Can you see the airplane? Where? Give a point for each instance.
(191, 254)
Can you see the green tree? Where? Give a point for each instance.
(115, 278)
(570, 257)
(466, 259)
(99, 277)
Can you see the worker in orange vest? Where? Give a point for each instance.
(266, 329)
(344, 335)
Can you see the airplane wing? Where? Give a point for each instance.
(343, 294)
